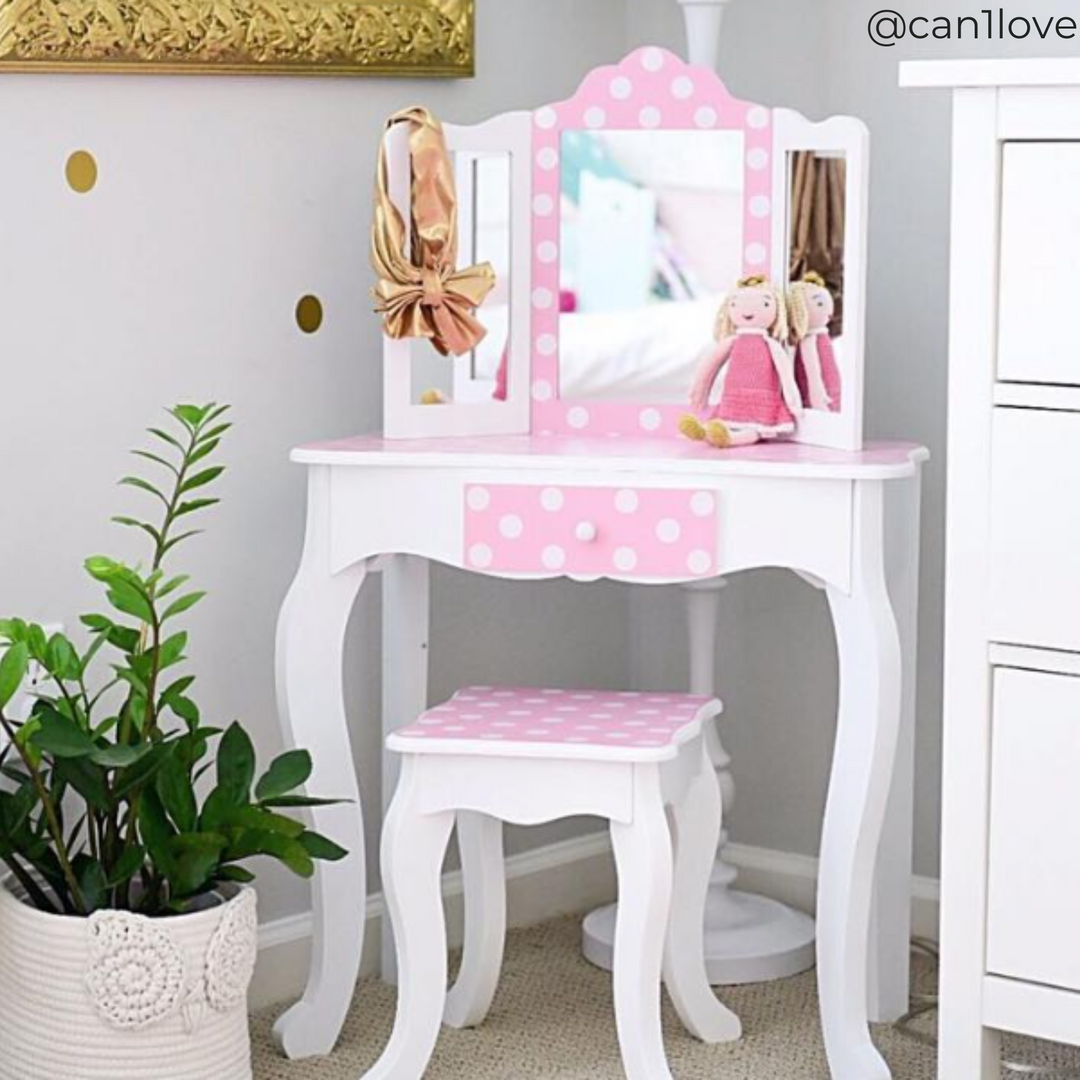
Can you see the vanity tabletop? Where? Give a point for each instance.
(876, 461)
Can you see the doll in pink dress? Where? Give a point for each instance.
(759, 398)
(810, 310)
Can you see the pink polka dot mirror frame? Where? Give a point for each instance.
(650, 89)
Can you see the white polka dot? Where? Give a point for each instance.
(650, 117)
(551, 498)
(760, 206)
(758, 117)
(481, 555)
(546, 117)
(621, 88)
(649, 419)
(543, 299)
(568, 708)
(552, 720)
(543, 206)
(577, 738)
(706, 117)
(699, 562)
(682, 87)
(553, 557)
(541, 390)
(600, 716)
(546, 344)
(479, 498)
(668, 530)
(455, 727)
(537, 731)
(652, 59)
(595, 117)
(702, 503)
(547, 251)
(548, 158)
(578, 417)
(494, 736)
(626, 501)
(583, 697)
(511, 526)
(756, 254)
(757, 158)
(625, 558)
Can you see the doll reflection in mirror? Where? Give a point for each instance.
(759, 398)
(810, 309)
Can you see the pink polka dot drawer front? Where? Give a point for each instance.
(591, 531)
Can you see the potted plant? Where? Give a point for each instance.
(127, 924)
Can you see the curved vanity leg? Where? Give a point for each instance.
(643, 860)
(480, 841)
(413, 847)
(866, 743)
(310, 642)
(697, 823)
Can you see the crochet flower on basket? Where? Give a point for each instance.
(230, 958)
(136, 972)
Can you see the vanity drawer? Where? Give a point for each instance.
(1034, 863)
(1040, 237)
(1035, 528)
(591, 531)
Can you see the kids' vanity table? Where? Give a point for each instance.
(615, 222)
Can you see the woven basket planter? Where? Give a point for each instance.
(123, 997)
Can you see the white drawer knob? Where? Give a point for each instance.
(586, 531)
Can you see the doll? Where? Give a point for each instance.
(759, 399)
(810, 310)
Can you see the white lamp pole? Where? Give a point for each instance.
(703, 19)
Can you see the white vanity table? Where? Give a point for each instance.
(588, 487)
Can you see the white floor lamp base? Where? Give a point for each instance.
(750, 939)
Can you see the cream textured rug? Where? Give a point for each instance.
(553, 1019)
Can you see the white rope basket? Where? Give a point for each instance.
(123, 997)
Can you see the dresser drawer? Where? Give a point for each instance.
(1035, 529)
(1040, 239)
(591, 531)
(1033, 932)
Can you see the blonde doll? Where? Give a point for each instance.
(810, 309)
(760, 398)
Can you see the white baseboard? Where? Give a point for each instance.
(578, 875)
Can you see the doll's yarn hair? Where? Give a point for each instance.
(726, 328)
(798, 303)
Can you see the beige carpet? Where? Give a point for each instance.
(553, 1019)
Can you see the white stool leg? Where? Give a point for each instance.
(480, 842)
(643, 859)
(413, 848)
(697, 823)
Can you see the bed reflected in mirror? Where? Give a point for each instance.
(818, 193)
(651, 239)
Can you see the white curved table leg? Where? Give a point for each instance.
(643, 859)
(310, 641)
(697, 822)
(413, 848)
(863, 762)
(480, 841)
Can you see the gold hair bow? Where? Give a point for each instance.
(425, 296)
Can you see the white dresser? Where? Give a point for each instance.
(1011, 843)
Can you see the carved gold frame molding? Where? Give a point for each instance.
(300, 37)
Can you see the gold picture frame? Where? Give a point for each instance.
(297, 37)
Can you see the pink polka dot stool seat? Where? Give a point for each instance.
(529, 756)
(604, 724)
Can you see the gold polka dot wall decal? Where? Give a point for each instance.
(81, 171)
(309, 314)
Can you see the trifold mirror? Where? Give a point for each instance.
(619, 223)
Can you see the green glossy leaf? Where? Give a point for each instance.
(61, 737)
(195, 858)
(155, 830)
(167, 437)
(319, 847)
(61, 659)
(194, 504)
(156, 459)
(177, 796)
(86, 778)
(127, 598)
(127, 866)
(143, 485)
(184, 603)
(120, 757)
(201, 479)
(91, 878)
(171, 650)
(235, 873)
(236, 766)
(261, 820)
(132, 523)
(295, 802)
(290, 852)
(191, 415)
(13, 667)
(286, 774)
(172, 585)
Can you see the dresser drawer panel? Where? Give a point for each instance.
(591, 531)
(1035, 529)
(1040, 237)
(1034, 860)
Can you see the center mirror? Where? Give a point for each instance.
(651, 235)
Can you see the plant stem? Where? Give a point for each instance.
(49, 809)
(33, 889)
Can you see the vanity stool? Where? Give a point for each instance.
(532, 756)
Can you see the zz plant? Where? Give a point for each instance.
(100, 792)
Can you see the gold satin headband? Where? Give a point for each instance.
(425, 296)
